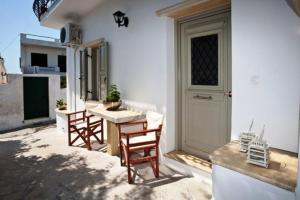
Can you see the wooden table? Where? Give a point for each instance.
(114, 118)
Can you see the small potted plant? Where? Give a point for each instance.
(112, 101)
(61, 104)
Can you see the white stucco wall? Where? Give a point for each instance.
(50, 51)
(265, 64)
(266, 70)
(139, 57)
(232, 185)
(298, 183)
(11, 101)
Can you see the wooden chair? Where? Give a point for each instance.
(146, 139)
(84, 126)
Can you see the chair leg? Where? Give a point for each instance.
(157, 162)
(100, 141)
(102, 134)
(88, 134)
(127, 161)
(69, 139)
(94, 132)
(69, 131)
(121, 155)
(157, 167)
(129, 173)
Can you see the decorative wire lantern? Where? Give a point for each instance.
(258, 151)
(246, 137)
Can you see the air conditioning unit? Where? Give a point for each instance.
(70, 35)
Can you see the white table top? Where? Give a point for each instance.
(119, 116)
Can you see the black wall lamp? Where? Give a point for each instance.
(121, 19)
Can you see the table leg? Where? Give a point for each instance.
(112, 139)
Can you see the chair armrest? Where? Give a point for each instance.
(88, 117)
(131, 133)
(77, 119)
(133, 123)
(74, 113)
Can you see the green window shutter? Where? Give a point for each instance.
(83, 74)
(86, 74)
(103, 71)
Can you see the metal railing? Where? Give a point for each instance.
(40, 70)
(41, 6)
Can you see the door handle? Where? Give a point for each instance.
(229, 94)
(203, 97)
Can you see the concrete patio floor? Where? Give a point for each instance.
(37, 163)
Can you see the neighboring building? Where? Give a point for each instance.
(3, 75)
(183, 59)
(31, 97)
(42, 55)
(28, 99)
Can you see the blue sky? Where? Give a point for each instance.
(16, 16)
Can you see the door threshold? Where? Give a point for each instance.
(190, 160)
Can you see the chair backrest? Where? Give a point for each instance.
(154, 120)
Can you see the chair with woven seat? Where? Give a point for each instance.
(84, 126)
(144, 140)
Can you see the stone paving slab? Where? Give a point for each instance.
(37, 163)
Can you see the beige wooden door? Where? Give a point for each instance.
(205, 53)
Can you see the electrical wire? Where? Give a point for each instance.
(11, 43)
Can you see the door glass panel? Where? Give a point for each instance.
(204, 60)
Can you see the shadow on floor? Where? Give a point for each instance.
(36, 126)
(56, 177)
(65, 177)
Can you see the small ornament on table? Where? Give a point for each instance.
(258, 151)
(246, 137)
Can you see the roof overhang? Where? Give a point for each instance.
(295, 5)
(192, 7)
(36, 40)
(66, 11)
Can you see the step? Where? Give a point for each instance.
(189, 164)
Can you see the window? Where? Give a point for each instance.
(63, 82)
(93, 72)
(62, 63)
(204, 60)
(39, 59)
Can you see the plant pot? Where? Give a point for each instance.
(112, 105)
(62, 108)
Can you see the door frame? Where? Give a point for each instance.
(178, 71)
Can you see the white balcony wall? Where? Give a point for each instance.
(266, 70)
(51, 52)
